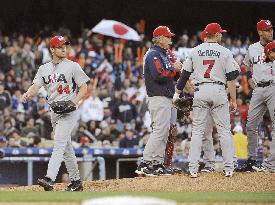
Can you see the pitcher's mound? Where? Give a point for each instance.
(206, 182)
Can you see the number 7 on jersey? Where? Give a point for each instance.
(210, 64)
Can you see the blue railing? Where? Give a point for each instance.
(9, 151)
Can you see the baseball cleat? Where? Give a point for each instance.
(140, 168)
(75, 186)
(193, 174)
(228, 173)
(157, 170)
(259, 168)
(208, 170)
(251, 166)
(46, 183)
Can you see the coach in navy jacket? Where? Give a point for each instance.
(159, 73)
(159, 68)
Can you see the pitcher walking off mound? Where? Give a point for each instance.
(60, 78)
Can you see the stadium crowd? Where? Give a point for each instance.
(114, 112)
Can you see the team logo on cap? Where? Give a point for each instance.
(60, 38)
(268, 23)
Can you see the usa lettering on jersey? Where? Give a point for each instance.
(55, 77)
(258, 59)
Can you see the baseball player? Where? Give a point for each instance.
(213, 67)
(269, 163)
(60, 78)
(159, 75)
(207, 142)
(261, 80)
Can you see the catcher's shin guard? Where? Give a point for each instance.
(169, 154)
(169, 151)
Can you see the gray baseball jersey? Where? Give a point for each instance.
(255, 59)
(60, 80)
(263, 99)
(269, 163)
(210, 62)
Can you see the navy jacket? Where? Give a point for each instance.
(159, 73)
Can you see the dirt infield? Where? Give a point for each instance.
(208, 182)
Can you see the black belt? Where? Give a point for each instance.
(215, 82)
(264, 84)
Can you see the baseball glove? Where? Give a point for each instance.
(183, 106)
(61, 107)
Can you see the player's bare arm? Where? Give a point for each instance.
(32, 91)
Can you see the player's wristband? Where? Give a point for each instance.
(249, 74)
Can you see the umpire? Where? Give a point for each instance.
(159, 75)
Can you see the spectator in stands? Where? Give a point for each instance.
(83, 131)
(30, 129)
(237, 48)
(15, 139)
(144, 139)
(124, 111)
(40, 112)
(84, 142)
(8, 128)
(237, 120)
(20, 118)
(93, 108)
(240, 142)
(10, 83)
(93, 128)
(3, 140)
(106, 133)
(129, 141)
(5, 98)
(36, 142)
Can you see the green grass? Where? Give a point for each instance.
(177, 196)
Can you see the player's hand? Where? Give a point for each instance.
(176, 96)
(233, 107)
(178, 66)
(251, 83)
(26, 97)
(174, 130)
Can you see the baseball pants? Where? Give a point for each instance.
(262, 99)
(63, 126)
(217, 106)
(207, 144)
(160, 109)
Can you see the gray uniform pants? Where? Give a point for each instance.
(63, 126)
(160, 109)
(211, 99)
(262, 99)
(207, 144)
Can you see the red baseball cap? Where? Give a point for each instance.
(264, 25)
(270, 46)
(162, 31)
(84, 139)
(203, 35)
(57, 41)
(213, 28)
